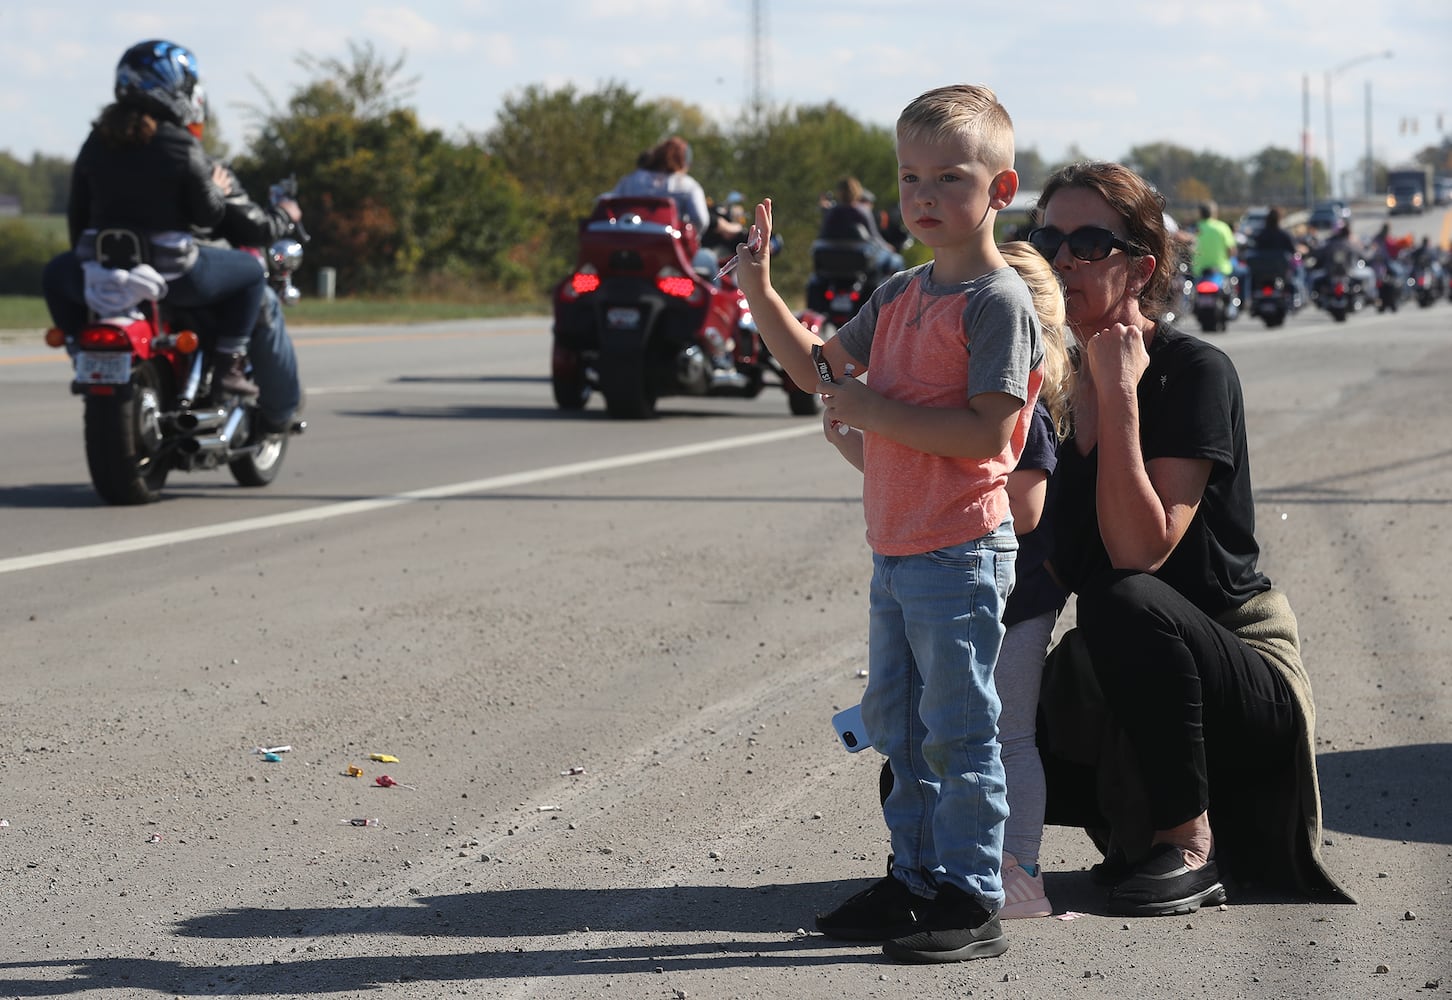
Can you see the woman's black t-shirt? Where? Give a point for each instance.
(1190, 406)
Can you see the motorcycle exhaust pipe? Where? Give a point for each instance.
(202, 445)
(200, 420)
(220, 441)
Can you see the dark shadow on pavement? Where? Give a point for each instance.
(1392, 793)
(534, 912)
(762, 920)
(50, 496)
(357, 972)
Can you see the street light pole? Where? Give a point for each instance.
(1370, 179)
(1306, 138)
(1330, 74)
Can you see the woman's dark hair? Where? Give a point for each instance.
(125, 125)
(849, 190)
(1143, 210)
(669, 157)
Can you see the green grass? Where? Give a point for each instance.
(50, 226)
(26, 313)
(350, 310)
(23, 312)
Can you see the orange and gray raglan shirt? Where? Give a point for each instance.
(941, 345)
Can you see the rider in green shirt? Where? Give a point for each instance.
(1214, 242)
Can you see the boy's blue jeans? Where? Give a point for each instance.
(931, 707)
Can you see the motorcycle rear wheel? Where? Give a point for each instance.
(625, 392)
(261, 467)
(125, 446)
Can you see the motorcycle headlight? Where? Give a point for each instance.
(284, 255)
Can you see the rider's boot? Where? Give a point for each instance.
(229, 375)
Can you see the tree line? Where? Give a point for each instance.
(402, 210)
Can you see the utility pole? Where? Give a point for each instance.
(1370, 178)
(1306, 136)
(758, 61)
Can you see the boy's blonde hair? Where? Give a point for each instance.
(961, 112)
(1048, 294)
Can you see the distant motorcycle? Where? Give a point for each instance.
(1391, 284)
(1427, 282)
(1274, 291)
(1217, 298)
(147, 384)
(637, 322)
(844, 274)
(847, 265)
(1341, 281)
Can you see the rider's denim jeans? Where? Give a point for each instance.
(64, 289)
(231, 284)
(931, 708)
(274, 362)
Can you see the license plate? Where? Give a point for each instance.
(1208, 299)
(842, 305)
(103, 367)
(622, 317)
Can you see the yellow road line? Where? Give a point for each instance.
(306, 341)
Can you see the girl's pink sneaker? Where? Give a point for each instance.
(1023, 893)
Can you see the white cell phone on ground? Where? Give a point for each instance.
(850, 732)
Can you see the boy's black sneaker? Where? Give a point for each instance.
(954, 928)
(1162, 885)
(884, 910)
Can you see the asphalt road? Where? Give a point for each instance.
(451, 572)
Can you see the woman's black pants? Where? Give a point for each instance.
(1207, 718)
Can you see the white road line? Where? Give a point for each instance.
(142, 542)
(334, 390)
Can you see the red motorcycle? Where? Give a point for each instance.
(637, 321)
(149, 405)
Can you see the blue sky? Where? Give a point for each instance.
(1225, 75)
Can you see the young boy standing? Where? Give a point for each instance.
(953, 353)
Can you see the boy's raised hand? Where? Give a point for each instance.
(754, 272)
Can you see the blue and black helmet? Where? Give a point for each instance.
(158, 77)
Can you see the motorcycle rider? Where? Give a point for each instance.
(1214, 247)
(1274, 240)
(661, 172)
(1385, 250)
(852, 216)
(727, 223)
(1423, 254)
(1339, 257)
(253, 227)
(140, 171)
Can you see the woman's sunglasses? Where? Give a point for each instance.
(1087, 243)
